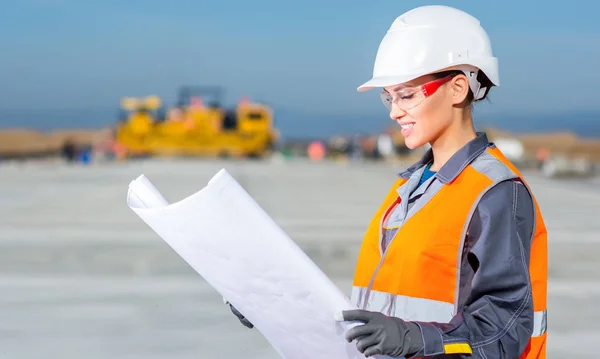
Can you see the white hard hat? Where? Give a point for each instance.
(429, 39)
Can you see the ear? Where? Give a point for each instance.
(459, 89)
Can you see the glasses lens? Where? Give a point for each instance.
(405, 99)
(386, 99)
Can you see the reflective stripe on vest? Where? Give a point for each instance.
(418, 279)
(424, 310)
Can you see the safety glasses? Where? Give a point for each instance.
(409, 97)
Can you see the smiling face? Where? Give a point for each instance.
(426, 107)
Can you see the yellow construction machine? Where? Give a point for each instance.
(196, 127)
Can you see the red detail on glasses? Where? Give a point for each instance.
(431, 87)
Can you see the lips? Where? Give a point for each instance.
(406, 128)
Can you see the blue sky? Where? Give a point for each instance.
(60, 54)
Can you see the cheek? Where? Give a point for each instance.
(432, 117)
(427, 119)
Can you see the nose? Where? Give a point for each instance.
(396, 113)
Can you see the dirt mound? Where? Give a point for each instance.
(18, 142)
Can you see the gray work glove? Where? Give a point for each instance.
(241, 317)
(384, 335)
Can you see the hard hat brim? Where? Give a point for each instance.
(380, 82)
(488, 66)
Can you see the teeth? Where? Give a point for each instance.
(408, 125)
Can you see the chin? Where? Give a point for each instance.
(413, 142)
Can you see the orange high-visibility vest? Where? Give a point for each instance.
(418, 277)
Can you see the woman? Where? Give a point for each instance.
(454, 263)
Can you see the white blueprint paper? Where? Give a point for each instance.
(223, 234)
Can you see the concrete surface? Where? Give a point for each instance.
(82, 277)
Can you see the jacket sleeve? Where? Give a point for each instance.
(496, 320)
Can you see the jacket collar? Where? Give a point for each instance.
(455, 165)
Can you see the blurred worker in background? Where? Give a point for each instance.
(454, 262)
